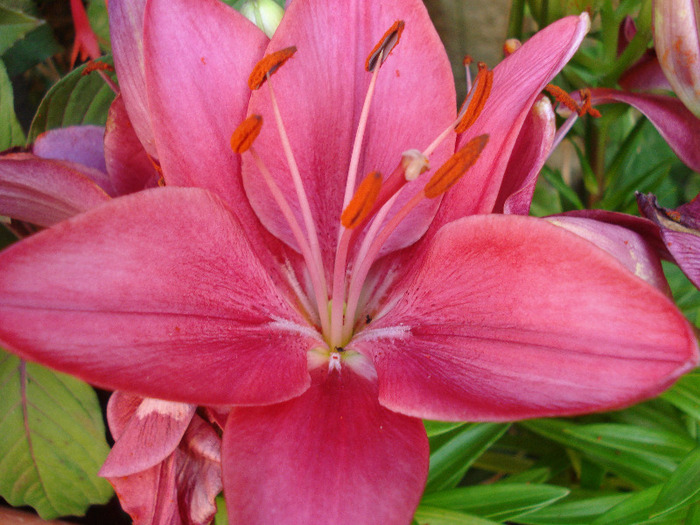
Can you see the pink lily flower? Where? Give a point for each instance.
(331, 337)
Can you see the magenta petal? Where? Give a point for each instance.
(198, 59)
(678, 126)
(321, 92)
(127, 162)
(332, 455)
(630, 248)
(153, 432)
(530, 152)
(44, 192)
(532, 321)
(150, 287)
(518, 80)
(126, 35)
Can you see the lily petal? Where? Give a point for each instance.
(530, 152)
(131, 295)
(533, 321)
(79, 144)
(153, 432)
(321, 91)
(44, 192)
(126, 35)
(127, 163)
(357, 462)
(678, 126)
(518, 80)
(198, 58)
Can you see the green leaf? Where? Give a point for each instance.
(565, 191)
(636, 510)
(221, 517)
(686, 394)
(11, 133)
(682, 488)
(499, 501)
(576, 512)
(458, 451)
(435, 428)
(99, 21)
(436, 516)
(74, 100)
(36, 46)
(13, 26)
(52, 440)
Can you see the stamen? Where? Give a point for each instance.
(242, 139)
(414, 163)
(510, 46)
(385, 46)
(268, 66)
(586, 106)
(562, 97)
(363, 201)
(96, 66)
(456, 166)
(476, 100)
(466, 62)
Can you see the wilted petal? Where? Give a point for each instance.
(79, 144)
(198, 58)
(530, 152)
(510, 317)
(680, 231)
(133, 296)
(153, 431)
(127, 162)
(677, 42)
(44, 192)
(126, 36)
(332, 455)
(518, 80)
(321, 91)
(678, 126)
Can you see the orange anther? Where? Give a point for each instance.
(586, 106)
(269, 65)
(562, 97)
(476, 100)
(467, 60)
(363, 200)
(456, 166)
(385, 45)
(242, 139)
(96, 66)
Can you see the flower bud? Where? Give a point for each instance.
(266, 14)
(677, 42)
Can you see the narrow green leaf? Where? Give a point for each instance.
(682, 488)
(13, 26)
(221, 516)
(52, 440)
(534, 475)
(450, 461)
(686, 394)
(11, 133)
(576, 512)
(636, 510)
(499, 501)
(436, 516)
(436, 428)
(566, 192)
(74, 100)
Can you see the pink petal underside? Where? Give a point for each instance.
(530, 152)
(127, 162)
(157, 285)
(153, 432)
(44, 192)
(199, 56)
(149, 497)
(517, 82)
(628, 247)
(321, 92)
(126, 36)
(332, 455)
(200, 480)
(79, 144)
(511, 317)
(678, 126)
(646, 73)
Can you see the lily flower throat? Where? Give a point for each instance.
(342, 305)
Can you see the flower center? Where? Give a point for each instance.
(368, 218)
